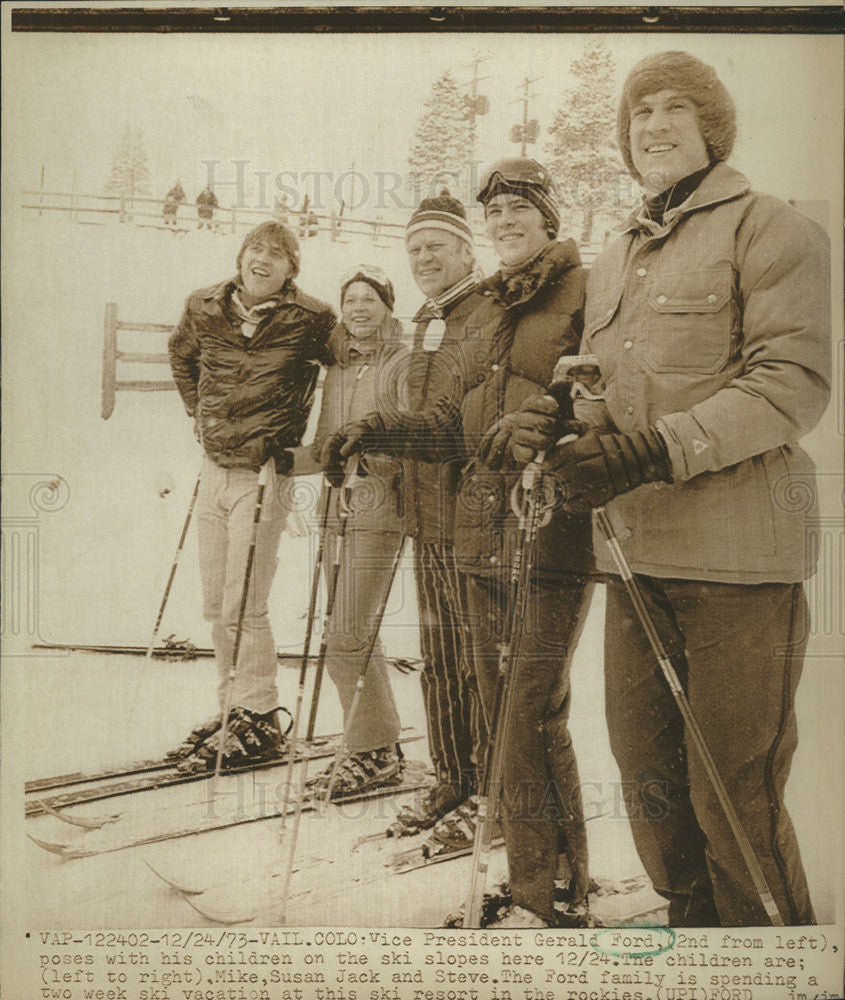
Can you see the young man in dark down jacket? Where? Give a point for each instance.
(710, 319)
(245, 358)
(532, 314)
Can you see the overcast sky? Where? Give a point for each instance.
(309, 102)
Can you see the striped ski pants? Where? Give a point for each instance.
(457, 733)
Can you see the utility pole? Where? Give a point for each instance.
(477, 104)
(528, 130)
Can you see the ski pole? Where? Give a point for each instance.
(315, 694)
(306, 649)
(362, 676)
(691, 723)
(170, 579)
(230, 682)
(530, 518)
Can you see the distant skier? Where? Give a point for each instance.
(245, 359)
(172, 200)
(206, 203)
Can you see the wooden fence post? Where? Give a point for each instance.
(109, 360)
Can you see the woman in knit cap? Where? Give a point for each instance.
(710, 320)
(366, 344)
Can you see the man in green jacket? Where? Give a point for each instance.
(710, 320)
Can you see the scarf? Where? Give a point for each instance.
(250, 318)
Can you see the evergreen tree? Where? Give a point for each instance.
(130, 173)
(582, 150)
(441, 153)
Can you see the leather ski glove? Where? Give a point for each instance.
(598, 467)
(493, 449)
(283, 460)
(366, 434)
(539, 424)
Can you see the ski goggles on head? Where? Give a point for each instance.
(367, 272)
(373, 276)
(513, 174)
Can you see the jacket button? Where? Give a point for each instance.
(711, 298)
(625, 533)
(641, 272)
(494, 368)
(661, 300)
(629, 409)
(628, 345)
(493, 559)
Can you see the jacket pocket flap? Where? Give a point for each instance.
(691, 292)
(601, 309)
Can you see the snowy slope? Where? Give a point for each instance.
(103, 558)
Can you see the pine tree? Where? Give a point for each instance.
(582, 151)
(130, 173)
(441, 153)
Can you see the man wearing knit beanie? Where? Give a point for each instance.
(710, 321)
(439, 243)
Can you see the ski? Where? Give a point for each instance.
(414, 858)
(171, 825)
(224, 903)
(152, 774)
(184, 649)
(131, 770)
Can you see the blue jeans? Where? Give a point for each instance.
(225, 512)
(738, 651)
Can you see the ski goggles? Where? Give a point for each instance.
(516, 173)
(367, 272)
(373, 276)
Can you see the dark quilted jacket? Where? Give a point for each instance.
(519, 331)
(249, 396)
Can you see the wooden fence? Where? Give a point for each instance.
(95, 209)
(112, 355)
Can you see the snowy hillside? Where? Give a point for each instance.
(104, 556)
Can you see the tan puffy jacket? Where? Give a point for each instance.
(715, 327)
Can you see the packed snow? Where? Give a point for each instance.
(104, 549)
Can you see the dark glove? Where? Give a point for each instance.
(598, 467)
(359, 435)
(539, 423)
(282, 459)
(493, 449)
